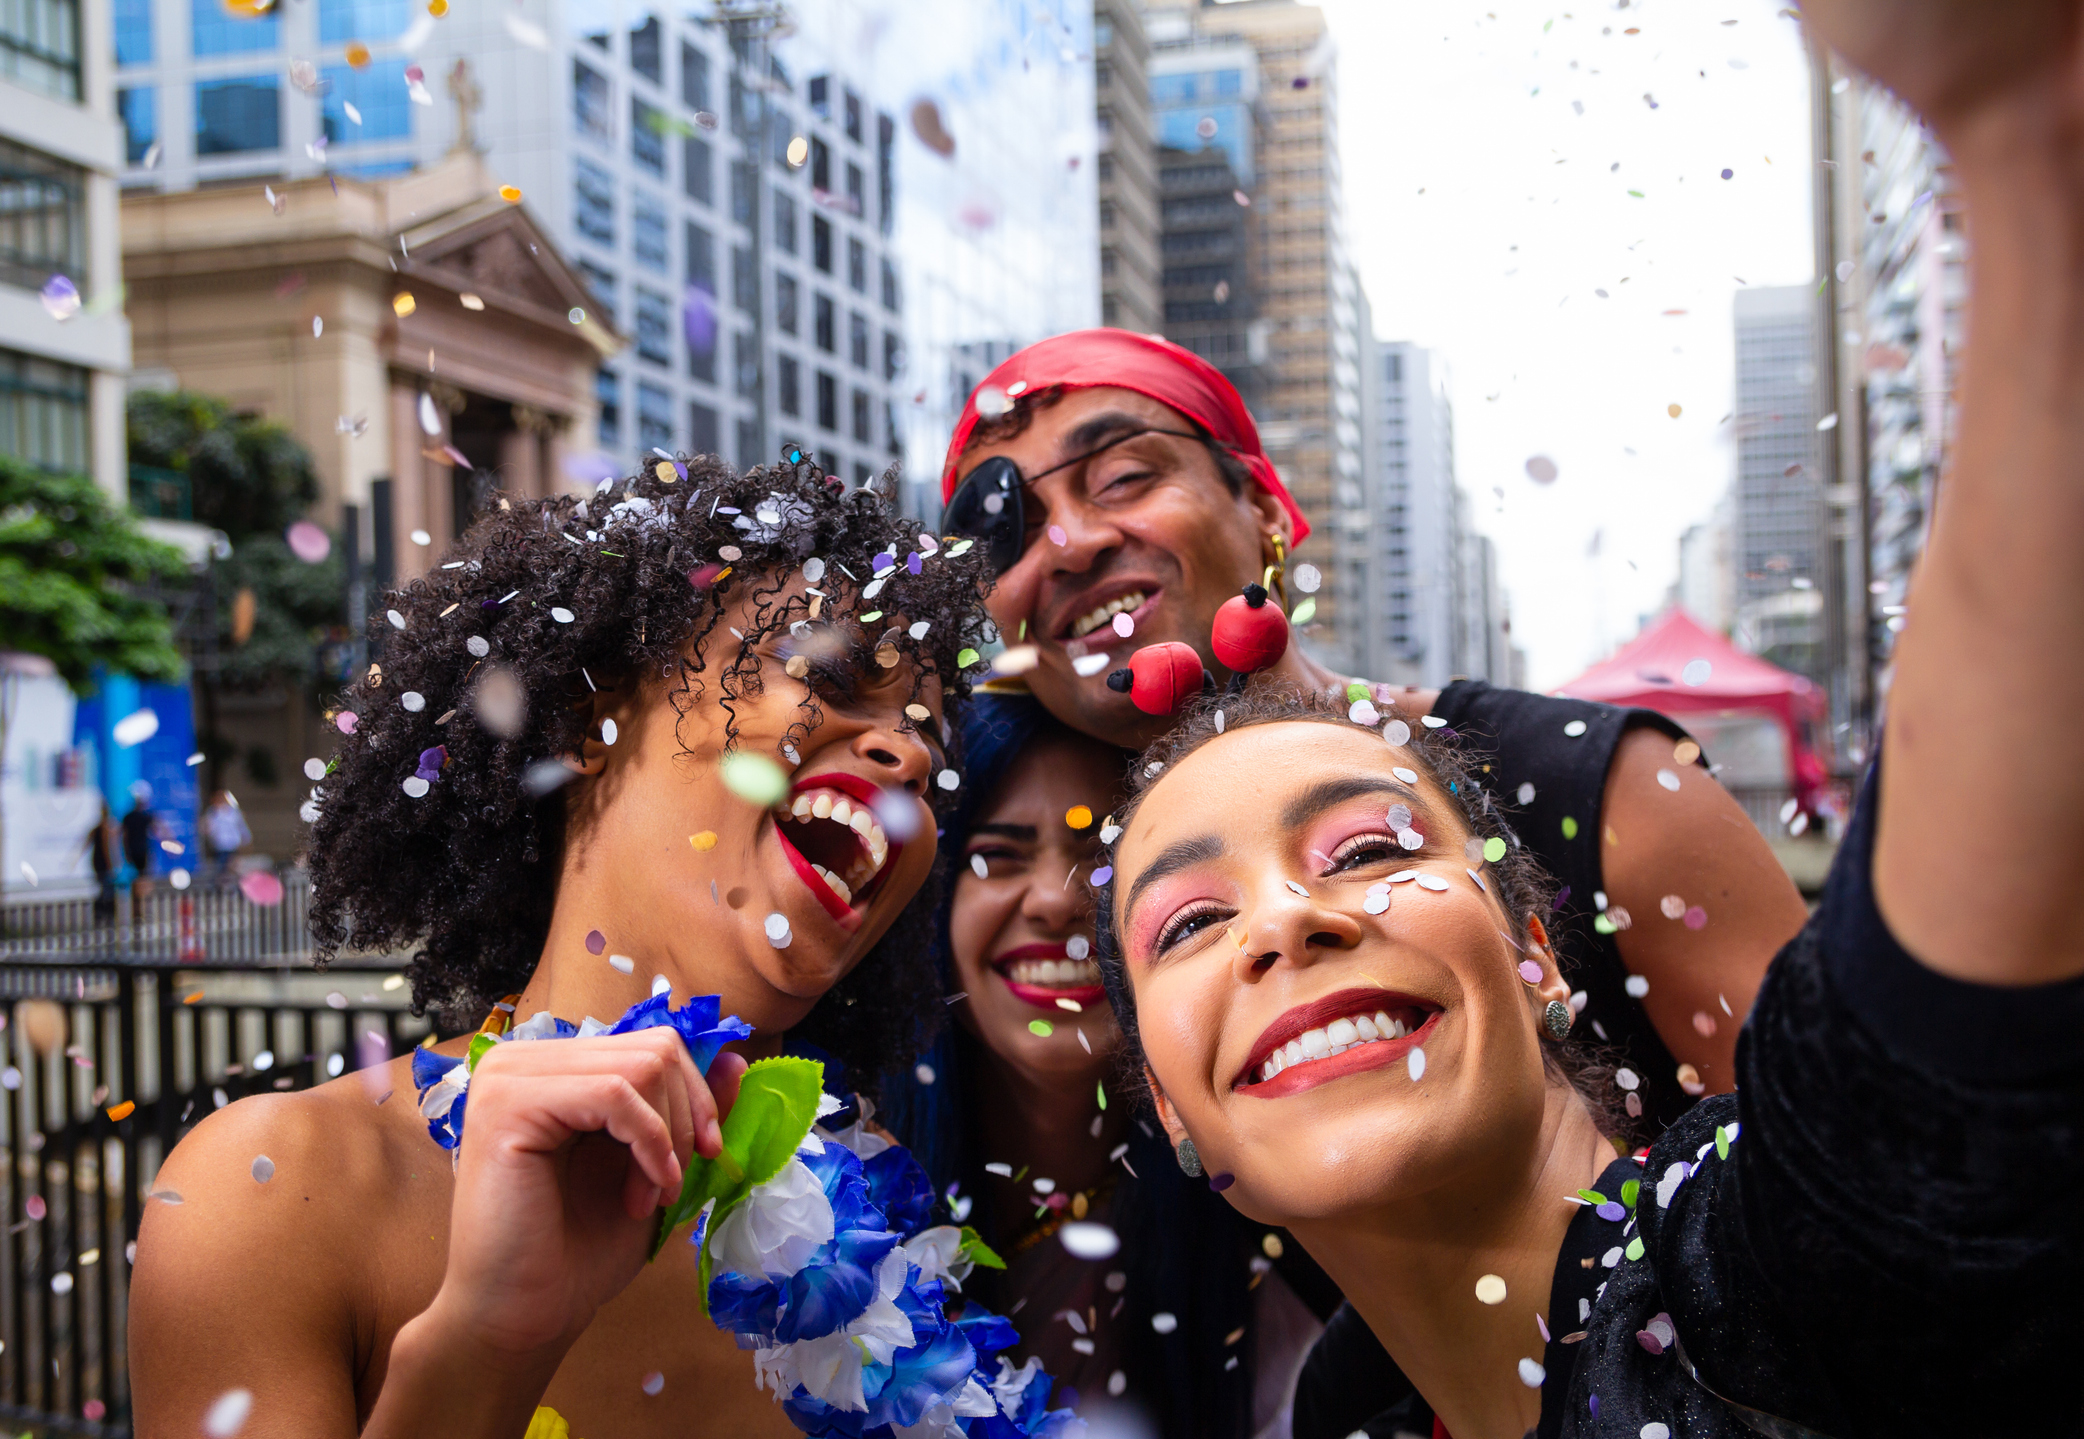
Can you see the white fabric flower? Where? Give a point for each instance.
(938, 1253)
(445, 1092)
(943, 1419)
(1012, 1383)
(829, 1368)
(778, 1228)
(540, 1025)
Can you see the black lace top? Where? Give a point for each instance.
(1881, 1233)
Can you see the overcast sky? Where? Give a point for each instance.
(1473, 128)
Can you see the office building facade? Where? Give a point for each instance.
(1128, 172)
(64, 342)
(730, 210)
(1779, 501)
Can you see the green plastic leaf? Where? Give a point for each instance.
(1630, 1190)
(975, 1250)
(777, 1104)
(480, 1046)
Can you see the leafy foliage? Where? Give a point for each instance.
(71, 567)
(247, 476)
(294, 603)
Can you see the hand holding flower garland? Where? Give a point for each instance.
(816, 1251)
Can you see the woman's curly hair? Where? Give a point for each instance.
(440, 823)
(1517, 879)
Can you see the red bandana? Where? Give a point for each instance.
(1152, 367)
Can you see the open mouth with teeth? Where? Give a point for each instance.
(830, 833)
(1127, 603)
(1343, 1033)
(1048, 977)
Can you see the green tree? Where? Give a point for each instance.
(76, 577)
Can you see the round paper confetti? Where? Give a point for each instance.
(1530, 971)
(1164, 1323)
(562, 615)
(1415, 1061)
(1084, 1239)
(947, 779)
(1079, 816)
(1685, 752)
(1637, 985)
(263, 1169)
(1103, 875)
(415, 786)
(1490, 1289)
(654, 1382)
(918, 713)
(1078, 946)
(261, 887)
(1532, 1375)
(1627, 1078)
(923, 1073)
(1057, 535)
(1041, 1028)
(1705, 1024)
(754, 778)
(1117, 1384)
(478, 645)
(314, 769)
(1697, 672)
(412, 701)
(1672, 906)
(979, 867)
(1541, 469)
(1408, 776)
(1123, 625)
(510, 193)
(1574, 729)
(1675, 410)
(1493, 850)
(595, 941)
(1656, 1431)
(777, 927)
(227, 1415)
(421, 537)
(397, 620)
(1669, 780)
(61, 298)
(1696, 917)
(308, 542)
(1397, 733)
(1526, 793)
(608, 731)
(1307, 579)
(135, 728)
(1376, 901)
(703, 842)
(622, 963)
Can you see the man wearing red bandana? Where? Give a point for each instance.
(1116, 474)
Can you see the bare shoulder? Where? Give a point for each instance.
(291, 1234)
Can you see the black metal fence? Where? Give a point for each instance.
(110, 1050)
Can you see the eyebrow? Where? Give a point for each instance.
(1097, 431)
(1171, 860)
(1320, 797)
(1010, 831)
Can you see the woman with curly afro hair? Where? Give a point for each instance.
(686, 733)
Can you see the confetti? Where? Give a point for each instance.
(1103, 875)
(1569, 827)
(261, 887)
(1079, 816)
(1637, 986)
(1057, 535)
(562, 615)
(1493, 850)
(1668, 779)
(778, 933)
(1376, 900)
(1086, 666)
(1705, 1023)
(263, 1169)
(753, 778)
(412, 701)
(595, 943)
(1574, 729)
(979, 868)
(1532, 1374)
(1696, 917)
(1672, 906)
(1041, 1028)
(1397, 733)
(622, 964)
(918, 713)
(61, 298)
(1164, 1323)
(608, 731)
(1432, 882)
(1304, 612)
(1541, 469)
(1690, 1080)
(1408, 776)
(1086, 1239)
(478, 645)
(1685, 752)
(1627, 1078)
(227, 1415)
(704, 841)
(1415, 1061)
(948, 779)
(1490, 1289)
(1530, 971)
(1526, 793)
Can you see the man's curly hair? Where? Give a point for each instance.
(570, 595)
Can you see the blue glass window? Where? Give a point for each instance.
(342, 20)
(648, 136)
(233, 117)
(1171, 89)
(378, 96)
(219, 32)
(1229, 82)
(648, 235)
(139, 110)
(654, 418)
(133, 32)
(654, 328)
(592, 103)
(595, 215)
(607, 393)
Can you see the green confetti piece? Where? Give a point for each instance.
(1041, 1028)
(1635, 1248)
(1569, 827)
(1637, 193)
(1602, 925)
(1102, 1089)
(961, 548)
(1546, 25)
(966, 658)
(1591, 1196)
(871, 617)
(754, 778)
(1304, 612)
(1630, 1190)
(1355, 692)
(1721, 1142)
(1493, 850)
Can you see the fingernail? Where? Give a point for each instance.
(713, 1136)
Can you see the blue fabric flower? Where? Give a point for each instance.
(846, 1185)
(745, 1304)
(987, 1332)
(900, 1189)
(899, 1392)
(835, 1287)
(696, 1021)
(429, 1070)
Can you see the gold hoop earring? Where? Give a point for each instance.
(1274, 577)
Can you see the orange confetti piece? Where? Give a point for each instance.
(358, 55)
(122, 1111)
(510, 193)
(703, 842)
(1079, 816)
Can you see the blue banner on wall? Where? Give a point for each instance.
(115, 713)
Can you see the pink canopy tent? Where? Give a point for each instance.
(1677, 667)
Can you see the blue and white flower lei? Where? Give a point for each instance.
(827, 1268)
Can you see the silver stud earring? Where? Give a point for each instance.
(1558, 1018)
(1189, 1159)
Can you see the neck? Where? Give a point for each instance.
(1411, 1267)
(1297, 670)
(1044, 1121)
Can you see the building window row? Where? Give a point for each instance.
(43, 412)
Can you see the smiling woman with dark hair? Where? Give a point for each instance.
(681, 738)
(1346, 1008)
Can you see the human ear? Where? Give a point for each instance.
(1553, 986)
(1168, 1118)
(1269, 515)
(605, 725)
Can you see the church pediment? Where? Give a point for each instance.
(492, 250)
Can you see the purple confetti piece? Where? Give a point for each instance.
(1649, 1341)
(913, 564)
(1611, 1212)
(1103, 875)
(595, 941)
(1221, 1182)
(1562, 898)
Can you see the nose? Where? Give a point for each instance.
(902, 758)
(1055, 906)
(1088, 531)
(1284, 927)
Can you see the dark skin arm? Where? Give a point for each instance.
(1699, 845)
